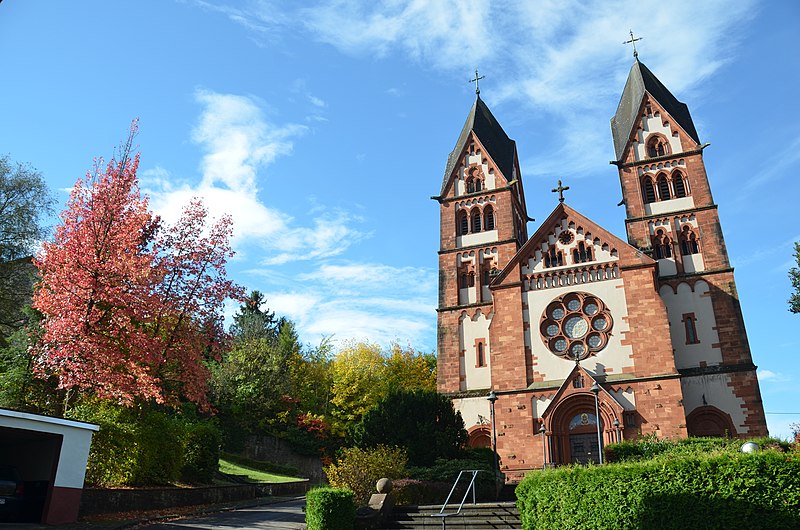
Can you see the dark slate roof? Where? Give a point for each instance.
(641, 80)
(500, 147)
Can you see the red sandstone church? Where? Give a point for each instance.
(654, 321)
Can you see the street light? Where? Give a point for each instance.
(596, 390)
(616, 428)
(542, 430)
(492, 397)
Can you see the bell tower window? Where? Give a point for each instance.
(689, 242)
(488, 218)
(661, 245)
(649, 191)
(470, 185)
(657, 146)
(678, 184)
(462, 225)
(476, 221)
(663, 188)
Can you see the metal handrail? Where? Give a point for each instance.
(471, 487)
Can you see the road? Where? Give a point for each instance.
(287, 514)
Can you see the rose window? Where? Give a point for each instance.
(576, 325)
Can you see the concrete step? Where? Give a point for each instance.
(476, 516)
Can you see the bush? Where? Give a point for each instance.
(201, 442)
(446, 471)
(649, 447)
(413, 492)
(330, 509)
(359, 469)
(722, 490)
(422, 421)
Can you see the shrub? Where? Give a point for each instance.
(413, 492)
(422, 421)
(330, 509)
(721, 490)
(446, 471)
(359, 469)
(649, 447)
(201, 443)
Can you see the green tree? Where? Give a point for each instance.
(25, 202)
(359, 382)
(421, 421)
(794, 276)
(408, 369)
(252, 322)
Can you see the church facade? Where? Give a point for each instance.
(652, 323)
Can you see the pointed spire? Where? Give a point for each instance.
(642, 81)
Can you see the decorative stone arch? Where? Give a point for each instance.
(662, 184)
(479, 436)
(657, 145)
(648, 189)
(679, 183)
(559, 415)
(708, 420)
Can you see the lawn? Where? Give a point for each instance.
(256, 475)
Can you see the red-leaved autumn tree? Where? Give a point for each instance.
(132, 308)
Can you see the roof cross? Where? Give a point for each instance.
(477, 78)
(560, 190)
(633, 42)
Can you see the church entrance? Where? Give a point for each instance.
(583, 439)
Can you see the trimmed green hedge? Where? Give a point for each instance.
(731, 490)
(330, 509)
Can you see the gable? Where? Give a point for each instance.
(568, 242)
(475, 160)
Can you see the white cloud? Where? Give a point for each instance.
(769, 375)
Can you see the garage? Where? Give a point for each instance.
(42, 466)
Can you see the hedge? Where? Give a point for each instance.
(733, 490)
(330, 509)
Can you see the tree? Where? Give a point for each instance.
(407, 369)
(25, 202)
(251, 321)
(421, 421)
(794, 276)
(359, 382)
(131, 308)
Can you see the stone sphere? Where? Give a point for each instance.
(749, 447)
(384, 485)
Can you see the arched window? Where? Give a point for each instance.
(476, 221)
(663, 188)
(462, 223)
(649, 191)
(553, 258)
(478, 184)
(689, 242)
(464, 281)
(582, 254)
(662, 248)
(488, 218)
(486, 277)
(678, 184)
(481, 360)
(657, 146)
(470, 185)
(471, 279)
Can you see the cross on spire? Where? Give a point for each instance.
(560, 190)
(477, 78)
(633, 42)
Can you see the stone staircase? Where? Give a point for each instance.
(473, 516)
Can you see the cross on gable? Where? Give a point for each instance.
(560, 190)
(633, 42)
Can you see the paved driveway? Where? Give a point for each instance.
(287, 514)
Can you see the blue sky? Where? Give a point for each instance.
(324, 128)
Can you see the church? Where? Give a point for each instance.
(584, 338)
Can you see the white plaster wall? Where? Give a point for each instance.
(625, 397)
(667, 267)
(468, 295)
(469, 331)
(77, 439)
(699, 303)
(672, 205)
(718, 392)
(614, 356)
(489, 236)
(474, 411)
(540, 404)
(600, 252)
(489, 180)
(655, 124)
(693, 263)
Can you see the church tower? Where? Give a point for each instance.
(671, 216)
(482, 225)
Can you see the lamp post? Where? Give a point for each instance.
(542, 431)
(596, 390)
(492, 397)
(616, 429)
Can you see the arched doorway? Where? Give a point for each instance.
(711, 422)
(479, 436)
(583, 446)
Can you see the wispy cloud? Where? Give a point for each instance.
(769, 375)
(776, 167)
(564, 58)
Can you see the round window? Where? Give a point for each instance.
(576, 325)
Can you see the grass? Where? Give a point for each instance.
(253, 474)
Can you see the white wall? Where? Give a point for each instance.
(717, 392)
(471, 329)
(699, 303)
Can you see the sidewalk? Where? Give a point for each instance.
(117, 521)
